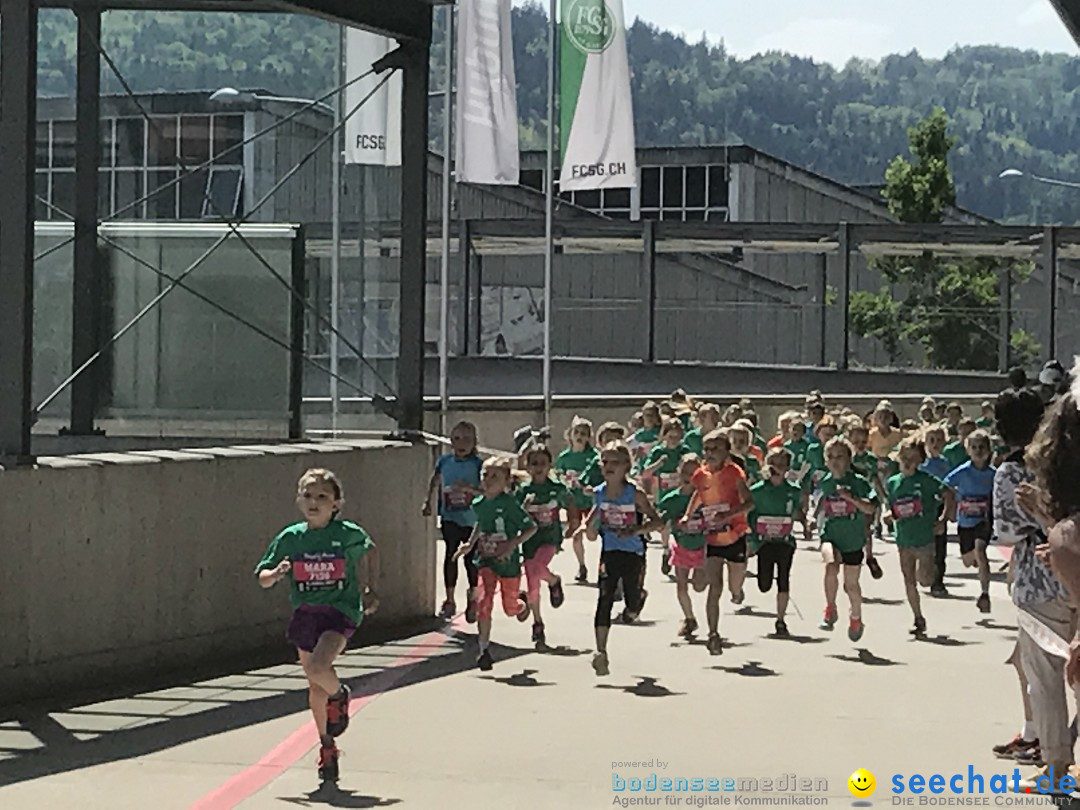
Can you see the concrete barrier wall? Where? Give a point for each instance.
(120, 565)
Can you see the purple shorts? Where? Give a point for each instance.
(309, 622)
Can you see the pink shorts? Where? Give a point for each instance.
(536, 569)
(685, 558)
(485, 596)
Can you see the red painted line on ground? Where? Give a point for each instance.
(286, 754)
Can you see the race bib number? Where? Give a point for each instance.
(974, 507)
(545, 514)
(670, 481)
(818, 477)
(489, 544)
(838, 508)
(695, 524)
(774, 527)
(618, 516)
(319, 572)
(456, 499)
(906, 508)
(716, 516)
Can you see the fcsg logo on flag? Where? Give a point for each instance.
(590, 25)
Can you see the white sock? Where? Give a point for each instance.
(1028, 734)
(484, 646)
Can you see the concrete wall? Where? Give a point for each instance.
(122, 565)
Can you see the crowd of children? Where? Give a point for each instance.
(712, 491)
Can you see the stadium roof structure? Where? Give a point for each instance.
(1069, 11)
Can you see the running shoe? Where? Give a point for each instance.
(1017, 743)
(600, 664)
(920, 626)
(738, 598)
(538, 636)
(716, 647)
(688, 627)
(938, 590)
(782, 629)
(337, 712)
(665, 562)
(470, 612)
(484, 661)
(875, 567)
(855, 629)
(582, 575)
(556, 593)
(447, 610)
(828, 621)
(628, 616)
(328, 763)
(526, 611)
(644, 596)
(1030, 756)
(983, 603)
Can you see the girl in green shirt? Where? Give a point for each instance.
(543, 498)
(688, 551)
(571, 466)
(663, 464)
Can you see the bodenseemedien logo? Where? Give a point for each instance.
(590, 25)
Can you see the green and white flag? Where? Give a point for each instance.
(597, 116)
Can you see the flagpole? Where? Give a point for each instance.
(444, 292)
(549, 211)
(335, 255)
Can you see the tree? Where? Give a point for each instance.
(947, 305)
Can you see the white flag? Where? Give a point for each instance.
(373, 132)
(487, 120)
(597, 115)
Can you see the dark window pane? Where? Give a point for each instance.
(718, 215)
(104, 193)
(63, 194)
(672, 215)
(194, 140)
(588, 199)
(192, 194)
(41, 148)
(673, 186)
(129, 188)
(130, 142)
(107, 142)
(228, 135)
(695, 216)
(162, 142)
(63, 148)
(650, 187)
(163, 204)
(718, 186)
(41, 190)
(224, 196)
(650, 214)
(617, 198)
(617, 213)
(533, 178)
(695, 187)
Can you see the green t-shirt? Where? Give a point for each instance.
(323, 565)
(815, 457)
(843, 524)
(798, 450)
(985, 423)
(865, 464)
(668, 473)
(643, 443)
(592, 477)
(694, 441)
(775, 507)
(497, 519)
(684, 419)
(548, 497)
(952, 431)
(571, 467)
(752, 469)
(914, 500)
(956, 454)
(672, 508)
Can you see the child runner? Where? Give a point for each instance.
(866, 464)
(724, 499)
(846, 496)
(688, 551)
(777, 505)
(643, 442)
(914, 497)
(798, 445)
(927, 412)
(708, 420)
(973, 483)
(884, 433)
(663, 463)
(502, 526)
(937, 466)
(616, 518)
(457, 480)
(740, 437)
(570, 467)
(320, 556)
(956, 452)
(783, 429)
(543, 498)
(954, 412)
(986, 418)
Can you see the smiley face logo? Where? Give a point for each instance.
(862, 784)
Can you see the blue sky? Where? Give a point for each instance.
(836, 30)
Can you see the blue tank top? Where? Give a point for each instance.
(618, 513)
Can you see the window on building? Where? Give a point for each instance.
(223, 192)
(195, 144)
(650, 187)
(533, 178)
(130, 142)
(161, 142)
(228, 137)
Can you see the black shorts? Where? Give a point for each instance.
(849, 557)
(969, 537)
(775, 559)
(735, 553)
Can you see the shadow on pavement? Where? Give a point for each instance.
(332, 795)
(560, 652)
(875, 600)
(869, 659)
(523, 678)
(62, 751)
(751, 669)
(944, 641)
(749, 610)
(990, 624)
(645, 687)
(796, 639)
